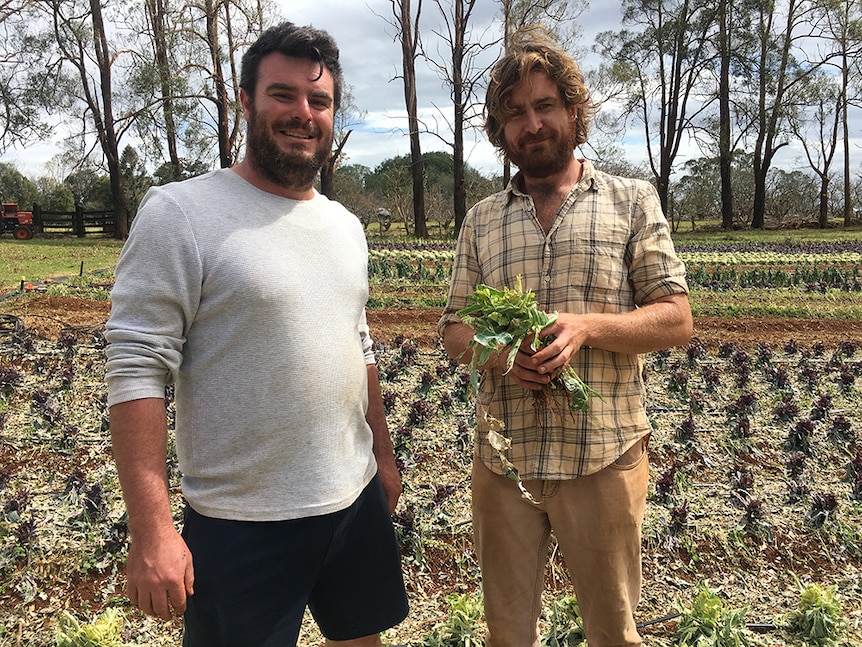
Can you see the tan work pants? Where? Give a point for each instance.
(597, 521)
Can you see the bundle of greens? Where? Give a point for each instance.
(502, 320)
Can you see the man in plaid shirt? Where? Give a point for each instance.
(596, 249)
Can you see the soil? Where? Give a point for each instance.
(753, 569)
(709, 331)
(49, 316)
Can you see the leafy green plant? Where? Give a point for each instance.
(708, 624)
(504, 319)
(104, 631)
(461, 628)
(817, 618)
(566, 625)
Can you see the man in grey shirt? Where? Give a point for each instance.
(246, 289)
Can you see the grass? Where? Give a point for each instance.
(777, 303)
(712, 234)
(42, 258)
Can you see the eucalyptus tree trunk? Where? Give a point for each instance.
(725, 148)
(76, 47)
(409, 36)
(461, 76)
(156, 14)
(106, 130)
(220, 93)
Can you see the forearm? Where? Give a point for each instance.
(384, 453)
(139, 438)
(376, 416)
(661, 324)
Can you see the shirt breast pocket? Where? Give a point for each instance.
(596, 270)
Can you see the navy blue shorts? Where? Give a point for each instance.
(253, 580)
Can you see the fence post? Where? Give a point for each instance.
(78, 221)
(37, 218)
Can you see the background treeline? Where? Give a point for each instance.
(792, 197)
(147, 92)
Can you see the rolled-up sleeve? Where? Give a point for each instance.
(155, 295)
(655, 270)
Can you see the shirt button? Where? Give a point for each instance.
(547, 278)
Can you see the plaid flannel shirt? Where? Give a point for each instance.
(609, 251)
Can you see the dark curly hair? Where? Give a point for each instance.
(299, 42)
(532, 49)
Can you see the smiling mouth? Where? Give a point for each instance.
(297, 135)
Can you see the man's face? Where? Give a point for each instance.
(540, 138)
(290, 120)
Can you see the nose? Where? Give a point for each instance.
(301, 110)
(532, 122)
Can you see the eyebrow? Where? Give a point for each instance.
(546, 99)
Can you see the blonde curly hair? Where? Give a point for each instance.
(532, 49)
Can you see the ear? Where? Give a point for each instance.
(246, 103)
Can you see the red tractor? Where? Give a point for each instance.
(20, 223)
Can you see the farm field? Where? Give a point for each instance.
(756, 484)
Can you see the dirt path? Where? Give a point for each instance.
(711, 331)
(48, 316)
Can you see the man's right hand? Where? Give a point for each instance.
(160, 574)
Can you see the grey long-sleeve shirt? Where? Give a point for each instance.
(254, 306)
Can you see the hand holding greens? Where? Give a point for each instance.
(502, 320)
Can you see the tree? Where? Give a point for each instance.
(462, 76)
(844, 31)
(14, 187)
(54, 195)
(135, 179)
(658, 73)
(186, 79)
(407, 27)
(791, 196)
(725, 148)
(215, 33)
(167, 172)
(82, 44)
(778, 76)
(90, 188)
(390, 183)
(734, 43)
(159, 73)
(696, 195)
(817, 127)
(349, 184)
(347, 116)
(25, 86)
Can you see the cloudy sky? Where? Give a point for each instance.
(372, 60)
(371, 57)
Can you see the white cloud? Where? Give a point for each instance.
(32, 161)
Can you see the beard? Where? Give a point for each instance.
(554, 158)
(282, 167)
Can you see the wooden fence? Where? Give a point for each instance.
(79, 223)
